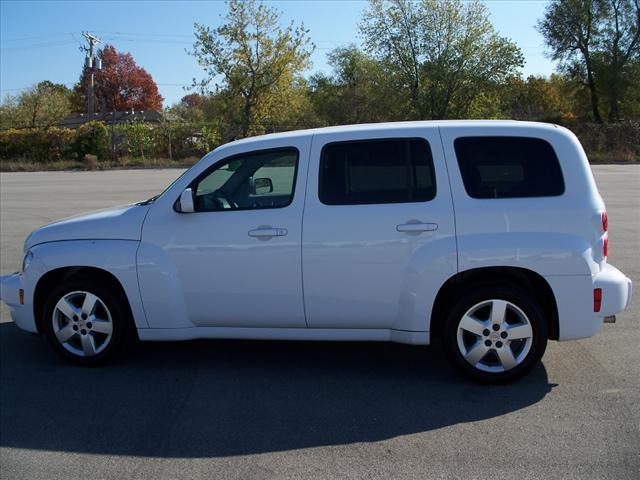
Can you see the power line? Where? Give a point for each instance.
(146, 34)
(35, 37)
(58, 43)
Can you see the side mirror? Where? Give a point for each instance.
(185, 204)
(262, 186)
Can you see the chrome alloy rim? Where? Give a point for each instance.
(82, 323)
(494, 336)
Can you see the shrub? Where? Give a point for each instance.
(92, 139)
(609, 142)
(183, 138)
(41, 145)
(137, 138)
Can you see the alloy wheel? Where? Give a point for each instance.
(494, 336)
(82, 323)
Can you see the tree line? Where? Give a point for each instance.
(430, 59)
(419, 60)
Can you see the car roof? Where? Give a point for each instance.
(393, 126)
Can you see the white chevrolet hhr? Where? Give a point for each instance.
(490, 236)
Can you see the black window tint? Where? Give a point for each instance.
(508, 167)
(376, 171)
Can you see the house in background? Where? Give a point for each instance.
(111, 118)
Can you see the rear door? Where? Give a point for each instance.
(378, 229)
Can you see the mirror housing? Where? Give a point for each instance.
(185, 203)
(262, 186)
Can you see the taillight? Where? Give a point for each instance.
(605, 229)
(597, 299)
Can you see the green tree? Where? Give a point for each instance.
(92, 138)
(536, 98)
(43, 105)
(359, 89)
(598, 44)
(138, 138)
(8, 108)
(257, 61)
(619, 51)
(445, 53)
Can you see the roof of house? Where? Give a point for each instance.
(77, 119)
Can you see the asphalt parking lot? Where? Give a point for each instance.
(243, 410)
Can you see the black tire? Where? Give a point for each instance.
(122, 325)
(474, 297)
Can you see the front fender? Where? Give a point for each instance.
(117, 257)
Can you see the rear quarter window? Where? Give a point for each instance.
(508, 167)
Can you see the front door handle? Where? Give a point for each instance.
(268, 232)
(417, 227)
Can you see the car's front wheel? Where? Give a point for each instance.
(85, 321)
(495, 334)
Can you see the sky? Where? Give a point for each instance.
(40, 40)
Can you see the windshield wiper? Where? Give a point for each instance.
(149, 201)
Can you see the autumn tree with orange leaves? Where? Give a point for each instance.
(120, 85)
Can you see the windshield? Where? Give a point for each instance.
(149, 201)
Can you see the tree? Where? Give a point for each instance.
(620, 50)
(359, 89)
(444, 52)
(253, 60)
(42, 105)
(120, 85)
(536, 98)
(598, 42)
(92, 138)
(192, 100)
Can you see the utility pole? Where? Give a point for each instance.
(93, 64)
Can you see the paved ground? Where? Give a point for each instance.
(277, 410)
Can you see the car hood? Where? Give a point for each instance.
(119, 223)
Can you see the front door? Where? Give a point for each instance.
(237, 258)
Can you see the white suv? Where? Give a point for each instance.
(488, 235)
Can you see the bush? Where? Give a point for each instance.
(609, 142)
(183, 139)
(41, 145)
(137, 138)
(92, 138)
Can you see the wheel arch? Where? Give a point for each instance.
(62, 274)
(466, 280)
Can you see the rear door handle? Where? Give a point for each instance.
(416, 227)
(268, 232)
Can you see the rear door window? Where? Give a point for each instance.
(376, 171)
(508, 167)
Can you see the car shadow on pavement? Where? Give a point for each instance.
(222, 398)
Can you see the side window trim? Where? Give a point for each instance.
(223, 161)
(411, 168)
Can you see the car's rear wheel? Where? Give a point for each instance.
(86, 321)
(495, 334)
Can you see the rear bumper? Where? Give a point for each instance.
(21, 313)
(574, 299)
(617, 290)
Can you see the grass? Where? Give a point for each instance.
(22, 165)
